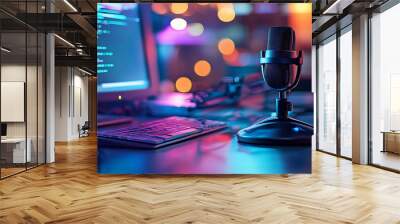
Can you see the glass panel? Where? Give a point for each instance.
(346, 94)
(385, 84)
(13, 86)
(23, 84)
(327, 96)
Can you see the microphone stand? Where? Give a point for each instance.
(282, 106)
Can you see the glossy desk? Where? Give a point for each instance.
(216, 153)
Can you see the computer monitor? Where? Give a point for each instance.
(3, 129)
(126, 61)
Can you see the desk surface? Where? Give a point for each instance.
(216, 153)
(13, 140)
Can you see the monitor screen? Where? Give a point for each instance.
(121, 61)
(3, 129)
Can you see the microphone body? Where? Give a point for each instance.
(281, 46)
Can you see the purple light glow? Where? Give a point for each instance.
(266, 8)
(170, 36)
(176, 100)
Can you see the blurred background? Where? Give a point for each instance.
(199, 43)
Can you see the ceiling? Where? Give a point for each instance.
(76, 25)
(331, 15)
(75, 22)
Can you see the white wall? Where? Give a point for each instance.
(81, 113)
(61, 104)
(71, 94)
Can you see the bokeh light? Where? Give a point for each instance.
(233, 59)
(226, 46)
(178, 24)
(159, 8)
(300, 18)
(179, 8)
(183, 84)
(300, 7)
(195, 29)
(202, 68)
(224, 5)
(226, 14)
(200, 45)
(243, 8)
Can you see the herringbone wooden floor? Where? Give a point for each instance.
(70, 191)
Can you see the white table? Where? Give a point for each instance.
(20, 155)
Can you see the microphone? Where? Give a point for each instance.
(280, 69)
(279, 61)
(280, 39)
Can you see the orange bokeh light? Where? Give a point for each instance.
(159, 8)
(202, 68)
(300, 7)
(226, 46)
(226, 14)
(183, 84)
(179, 8)
(224, 5)
(300, 19)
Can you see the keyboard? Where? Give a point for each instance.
(160, 132)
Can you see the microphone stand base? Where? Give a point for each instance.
(277, 131)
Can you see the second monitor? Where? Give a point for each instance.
(127, 70)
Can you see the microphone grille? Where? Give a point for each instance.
(281, 38)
